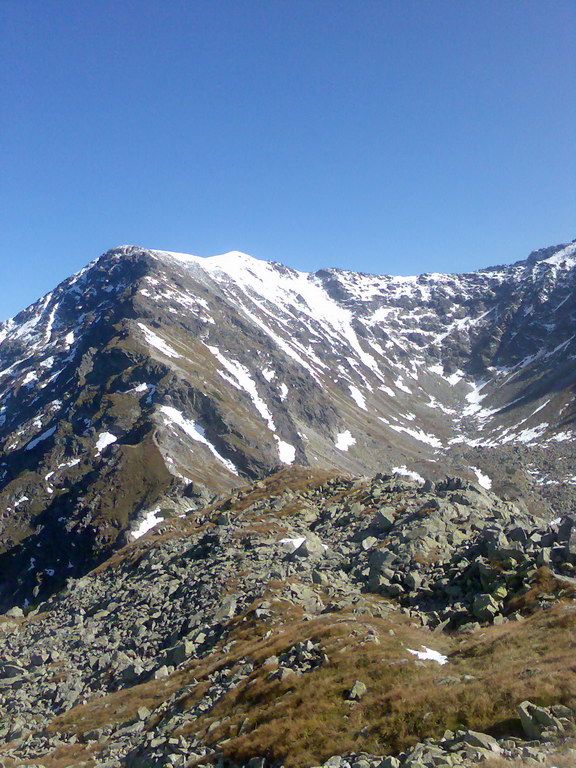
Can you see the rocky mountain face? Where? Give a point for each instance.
(256, 517)
(308, 619)
(151, 373)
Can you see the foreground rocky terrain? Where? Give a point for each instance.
(307, 619)
(149, 374)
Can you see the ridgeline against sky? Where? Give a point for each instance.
(383, 137)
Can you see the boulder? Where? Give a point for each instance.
(571, 545)
(482, 740)
(11, 670)
(180, 652)
(535, 720)
(227, 609)
(390, 762)
(382, 521)
(485, 607)
(310, 547)
(357, 691)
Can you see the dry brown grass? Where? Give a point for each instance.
(118, 707)
(308, 717)
(294, 478)
(545, 582)
(71, 755)
(303, 720)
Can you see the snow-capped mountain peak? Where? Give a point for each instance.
(169, 368)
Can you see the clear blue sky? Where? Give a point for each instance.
(391, 136)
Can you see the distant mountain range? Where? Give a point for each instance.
(152, 380)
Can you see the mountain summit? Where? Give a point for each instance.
(151, 374)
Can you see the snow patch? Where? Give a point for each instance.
(417, 434)
(293, 544)
(71, 463)
(344, 440)
(155, 341)
(401, 385)
(387, 390)
(559, 437)
(527, 435)
(483, 480)
(403, 470)
(474, 398)
(243, 380)
(196, 432)
(104, 440)
(358, 397)
(286, 452)
(429, 655)
(454, 378)
(149, 521)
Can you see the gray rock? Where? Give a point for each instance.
(545, 718)
(535, 720)
(312, 546)
(334, 762)
(413, 580)
(11, 670)
(162, 671)
(482, 740)
(485, 607)
(227, 609)
(382, 521)
(357, 691)
(571, 545)
(390, 762)
(321, 577)
(180, 652)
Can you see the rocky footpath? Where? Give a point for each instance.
(281, 625)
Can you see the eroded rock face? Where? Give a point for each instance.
(150, 373)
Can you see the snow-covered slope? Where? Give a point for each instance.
(151, 370)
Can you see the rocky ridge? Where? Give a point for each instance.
(150, 375)
(307, 619)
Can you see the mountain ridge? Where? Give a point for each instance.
(213, 371)
(540, 254)
(251, 516)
